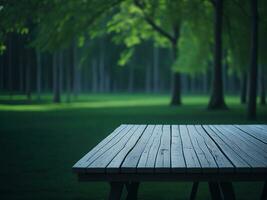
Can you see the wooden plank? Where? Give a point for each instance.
(163, 160)
(114, 165)
(130, 163)
(253, 133)
(178, 149)
(260, 147)
(208, 164)
(148, 157)
(100, 163)
(240, 148)
(261, 130)
(240, 164)
(85, 160)
(106, 147)
(245, 145)
(261, 126)
(191, 159)
(222, 161)
(177, 154)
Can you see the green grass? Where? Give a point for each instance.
(40, 142)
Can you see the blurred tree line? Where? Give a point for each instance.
(74, 46)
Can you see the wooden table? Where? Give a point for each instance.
(217, 154)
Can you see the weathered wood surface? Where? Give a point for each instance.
(179, 149)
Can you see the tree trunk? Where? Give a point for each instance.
(209, 77)
(225, 69)
(262, 86)
(131, 78)
(70, 72)
(1, 72)
(56, 77)
(243, 96)
(107, 82)
(28, 74)
(217, 96)
(252, 90)
(76, 72)
(38, 75)
(94, 76)
(10, 66)
(156, 82)
(148, 78)
(21, 71)
(102, 67)
(176, 81)
(61, 66)
(188, 83)
(68, 66)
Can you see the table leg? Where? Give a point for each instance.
(115, 190)
(215, 191)
(194, 191)
(227, 190)
(132, 189)
(264, 192)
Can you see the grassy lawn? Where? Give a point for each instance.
(40, 142)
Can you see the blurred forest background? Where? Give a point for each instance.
(73, 70)
(186, 47)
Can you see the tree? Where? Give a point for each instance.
(252, 90)
(262, 9)
(55, 24)
(236, 25)
(217, 96)
(157, 20)
(39, 74)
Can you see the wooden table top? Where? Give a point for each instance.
(178, 151)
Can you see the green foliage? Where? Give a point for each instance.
(129, 26)
(193, 51)
(196, 38)
(2, 48)
(50, 25)
(125, 56)
(53, 23)
(237, 34)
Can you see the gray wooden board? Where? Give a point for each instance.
(113, 142)
(114, 165)
(261, 126)
(246, 145)
(236, 159)
(224, 164)
(147, 160)
(163, 160)
(250, 141)
(253, 133)
(208, 164)
(99, 164)
(191, 159)
(131, 160)
(179, 149)
(84, 161)
(240, 148)
(177, 154)
(260, 130)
